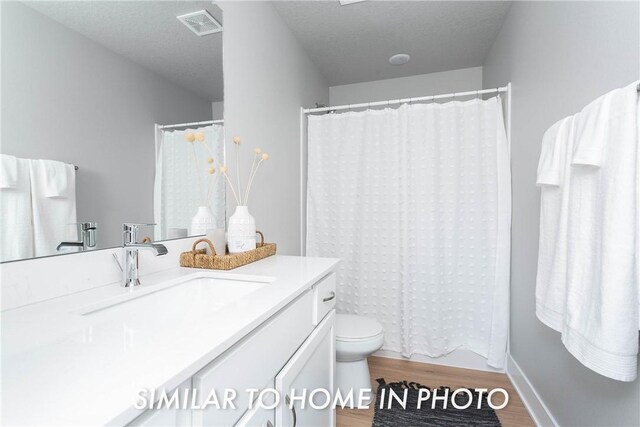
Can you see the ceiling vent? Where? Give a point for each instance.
(201, 22)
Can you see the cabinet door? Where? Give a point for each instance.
(166, 416)
(258, 416)
(252, 362)
(311, 368)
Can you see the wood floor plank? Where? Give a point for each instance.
(513, 415)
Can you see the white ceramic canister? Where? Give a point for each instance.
(203, 222)
(241, 232)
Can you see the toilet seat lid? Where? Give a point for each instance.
(352, 327)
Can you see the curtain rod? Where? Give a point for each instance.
(181, 125)
(405, 100)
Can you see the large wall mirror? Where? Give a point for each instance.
(112, 112)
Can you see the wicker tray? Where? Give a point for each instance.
(198, 258)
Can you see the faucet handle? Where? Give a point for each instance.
(88, 225)
(130, 231)
(137, 224)
(84, 225)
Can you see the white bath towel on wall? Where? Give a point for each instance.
(592, 129)
(587, 286)
(8, 171)
(416, 202)
(53, 176)
(53, 205)
(554, 173)
(601, 323)
(16, 229)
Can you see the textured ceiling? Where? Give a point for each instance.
(148, 33)
(353, 43)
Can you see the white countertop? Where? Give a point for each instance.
(59, 367)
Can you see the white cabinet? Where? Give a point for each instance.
(260, 415)
(166, 416)
(288, 351)
(257, 417)
(252, 362)
(324, 297)
(307, 380)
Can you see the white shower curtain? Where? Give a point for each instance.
(177, 192)
(416, 202)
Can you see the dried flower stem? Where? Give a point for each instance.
(251, 174)
(195, 161)
(209, 189)
(232, 189)
(238, 169)
(208, 148)
(246, 198)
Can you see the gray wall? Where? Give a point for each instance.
(217, 110)
(268, 77)
(406, 87)
(67, 98)
(559, 56)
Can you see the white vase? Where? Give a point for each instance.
(203, 222)
(241, 233)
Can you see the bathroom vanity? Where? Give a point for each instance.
(87, 357)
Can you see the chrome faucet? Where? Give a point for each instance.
(131, 246)
(87, 231)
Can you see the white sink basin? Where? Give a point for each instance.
(199, 291)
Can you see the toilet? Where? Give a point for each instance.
(357, 337)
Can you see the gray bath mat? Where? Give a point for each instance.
(431, 413)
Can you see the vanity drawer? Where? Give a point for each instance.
(324, 297)
(252, 362)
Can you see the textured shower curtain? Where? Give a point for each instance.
(416, 202)
(177, 191)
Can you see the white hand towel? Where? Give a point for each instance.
(55, 177)
(8, 171)
(16, 229)
(552, 154)
(554, 170)
(594, 121)
(53, 217)
(601, 321)
(591, 131)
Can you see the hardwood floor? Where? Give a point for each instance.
(513, 415)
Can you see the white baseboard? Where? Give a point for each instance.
(536, 407)
(458, 359)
